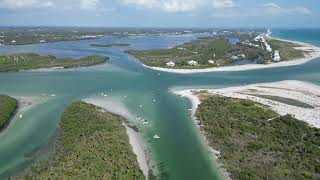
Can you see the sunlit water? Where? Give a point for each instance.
(180, 152)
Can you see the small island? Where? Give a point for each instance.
(29, 61)
(8, 106)
(110, 44)
(92, 144)
(224, 51)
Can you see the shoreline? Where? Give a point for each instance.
(303, 92)
(24, 103)
(314, 52)
(306, 92)
(195, 101)
(134, 137)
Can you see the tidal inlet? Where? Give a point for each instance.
(159, 90)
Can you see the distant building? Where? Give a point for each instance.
(211, 61)
(188, 32)
(234, 57)
(268, 48)
(192, 63)
(181, 48)
(170, 64)
(276, 56)
(242, 56)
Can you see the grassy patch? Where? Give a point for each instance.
(8, 106)
(92, 145)
(284, 100)
(254, 147)
(34, 61)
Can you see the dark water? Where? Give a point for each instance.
(180, 153)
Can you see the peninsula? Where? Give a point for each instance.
(223, 53)
(262, 131)
(29, 61)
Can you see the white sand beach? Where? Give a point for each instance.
(116, 107)
(295, 90)
(313, 53)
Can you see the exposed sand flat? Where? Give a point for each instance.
(313, 53)
(24, 104)
(297, 90)
(118, 108)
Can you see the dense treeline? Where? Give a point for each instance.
(92, 145)
(8, 106)
(257, 143)
(30, 61)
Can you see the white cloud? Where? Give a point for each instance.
(25, 3)
(264, 10)
(275, 9)
(180, 5)
(223, 3)
(89, 4)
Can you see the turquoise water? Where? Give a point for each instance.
(180, 153)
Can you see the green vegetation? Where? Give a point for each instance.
(110, 44)
(287, 50)
(8, 106)
(34, 61)
(284, 100)
(217, 49)
(257, 143)
(92, 145)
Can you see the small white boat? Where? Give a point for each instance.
(156, 137)
(154, 100)
(140, 106)
(53, 95)
(20, 116)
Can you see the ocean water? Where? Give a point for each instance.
(180, 153)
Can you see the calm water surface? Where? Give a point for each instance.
(180, 153)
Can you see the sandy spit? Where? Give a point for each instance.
(116, 107)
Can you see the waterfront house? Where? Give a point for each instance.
(211, 61)
(276, 56)
(234, 57)
(242, 56)
(170, 64)
(192, 63)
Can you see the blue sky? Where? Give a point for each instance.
(161, 13)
